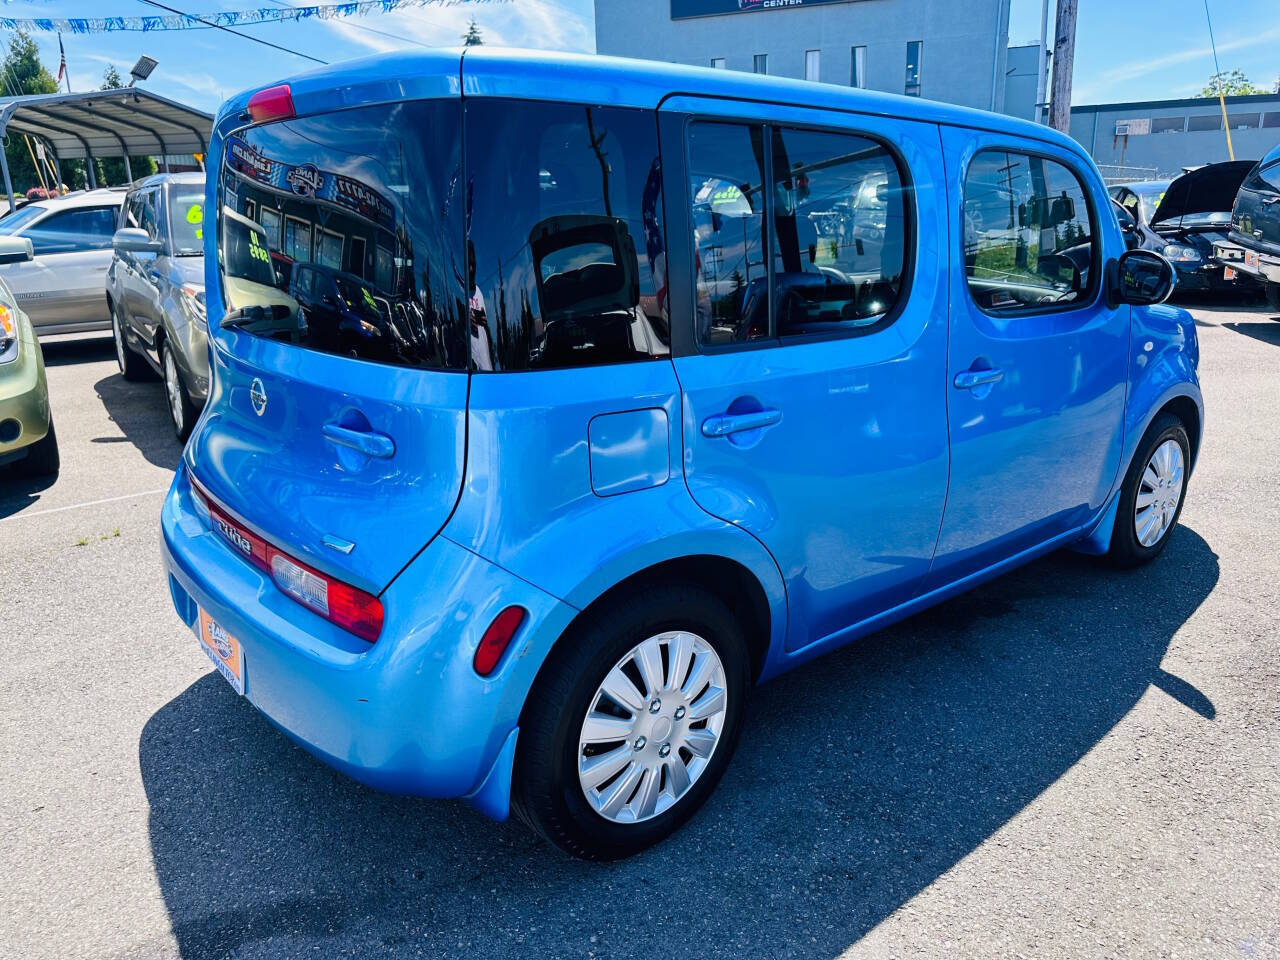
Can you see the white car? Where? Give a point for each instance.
(63, 290)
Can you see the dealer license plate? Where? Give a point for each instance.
(1228, 273)
(224, 650)
(1251, 258)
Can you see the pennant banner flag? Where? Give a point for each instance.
(227, 18)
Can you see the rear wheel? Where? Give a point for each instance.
(42, 459)
(632, 722)
(182, 411)
(1153, 493)
(132, 366)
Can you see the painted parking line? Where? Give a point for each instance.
(77, 506)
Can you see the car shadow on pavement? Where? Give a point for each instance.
(60, 351)
(860, 779)
(1266, 332)
(140, 411)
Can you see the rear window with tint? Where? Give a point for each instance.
(566, 252)
(343, 233)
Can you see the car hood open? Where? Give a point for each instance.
(1210, 189)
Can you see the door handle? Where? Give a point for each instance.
(724, 424)
(972, 379)
(365, 441)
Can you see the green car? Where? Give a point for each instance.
(27, 439)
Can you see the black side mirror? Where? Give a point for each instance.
(1143, 277)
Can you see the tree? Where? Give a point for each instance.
(472, 38)
(111, 169)
(1233, 82)
(24, 74)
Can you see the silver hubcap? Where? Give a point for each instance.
(172, 388)
(1159, 493)
(652, 727)
(118, 335)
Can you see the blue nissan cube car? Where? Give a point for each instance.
(556, 401)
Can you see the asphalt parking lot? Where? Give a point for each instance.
(1069, 762)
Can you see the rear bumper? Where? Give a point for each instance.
(407, 714)
(1233, 255)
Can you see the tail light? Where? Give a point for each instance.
(273, 103)
(339, 603)
(496, 639)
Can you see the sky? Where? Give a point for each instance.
(1125, 49)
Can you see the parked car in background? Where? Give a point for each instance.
(1183, 218)
(538, 557)
(155, 291)
(1252, 246)
(62, 289)
(28, 443)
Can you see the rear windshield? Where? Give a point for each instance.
(342, 233)
(186, 219)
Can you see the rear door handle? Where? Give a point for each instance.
(724, 424)
(972, 379)
(366, 441)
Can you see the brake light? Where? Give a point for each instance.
(273, 103)
(496, 639)
(340, 603)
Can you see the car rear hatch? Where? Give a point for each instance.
(335, 428)
(1255, 221)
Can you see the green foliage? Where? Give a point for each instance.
(1233, 83)
(111, 170)
(24, 74)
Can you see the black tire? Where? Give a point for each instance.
(1272, 293)
(182, 412)
(42, 459)
(546, 791)
(1126, 550)
(133, 366)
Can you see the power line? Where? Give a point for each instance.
(246, 36)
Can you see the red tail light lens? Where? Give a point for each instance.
(340, 603)
(496, 639)
(273, 103)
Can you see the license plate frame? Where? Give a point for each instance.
(1251, 258)
(223, 650)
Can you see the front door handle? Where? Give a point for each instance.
(724, 424)
(972, 379)
(369, 443)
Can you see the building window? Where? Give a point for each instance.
(812, 65)
(1168, 124)
(914, 50)
(760, 63)
(1271, 119)
(717, 63)
(1242, 121)
(858, 68)
(1210, 121)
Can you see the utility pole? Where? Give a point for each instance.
(1064, 51)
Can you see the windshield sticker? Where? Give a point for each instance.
(195, 214)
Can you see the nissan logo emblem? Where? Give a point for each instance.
(258, 397)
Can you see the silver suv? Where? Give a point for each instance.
(155, 289)
(61, 289)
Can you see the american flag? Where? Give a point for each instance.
(62, 63)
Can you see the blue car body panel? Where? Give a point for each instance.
(882, 488)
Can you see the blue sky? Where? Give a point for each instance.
(1126, 49)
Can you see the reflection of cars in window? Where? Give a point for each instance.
(604, 418)
(61, 289)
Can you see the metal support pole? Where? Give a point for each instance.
(8, 186)
(128, 170)
(88, 169)
(1040, 60)
(164, 158)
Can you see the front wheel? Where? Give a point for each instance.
(1153, 492)
(632, 722)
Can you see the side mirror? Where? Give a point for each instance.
(16, 250)
(135, 240)
(1143, 277)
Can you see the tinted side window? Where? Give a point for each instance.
(1028, 237)
(567, 257)
(726, 173)
(840, 229)
(74, 231)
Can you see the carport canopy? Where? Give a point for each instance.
(104, 123)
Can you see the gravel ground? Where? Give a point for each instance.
(1068, 762)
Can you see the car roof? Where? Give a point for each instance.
(157, 179)
(103, 196)
(484, 71)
